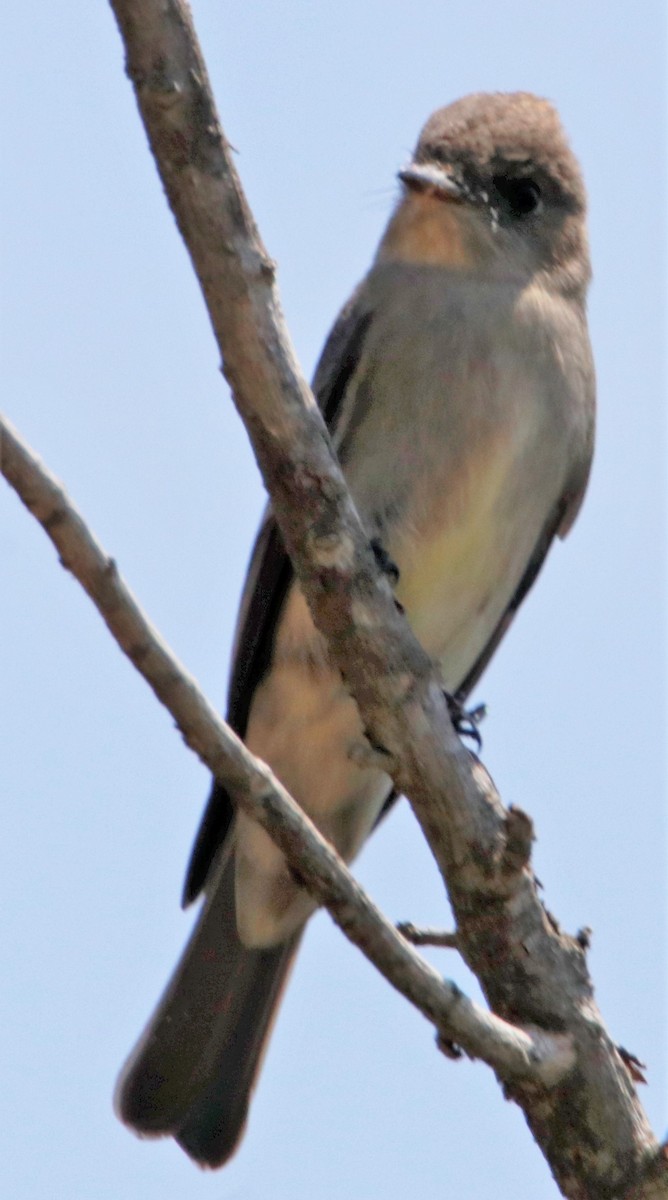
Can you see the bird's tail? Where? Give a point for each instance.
(192, 1072)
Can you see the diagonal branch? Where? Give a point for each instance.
(512, 1052)
(591, 1127)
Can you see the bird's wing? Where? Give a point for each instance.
(269, 571)
(267, 582)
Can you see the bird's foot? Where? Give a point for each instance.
(383, 561)
(387, 565)
(466, 721)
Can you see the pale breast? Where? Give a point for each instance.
(460, 457)
(456, 451)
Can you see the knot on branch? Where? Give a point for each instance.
(333, 551)
(449, 1048)
(519, 838)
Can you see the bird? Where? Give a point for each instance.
(458, 388)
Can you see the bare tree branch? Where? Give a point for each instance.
(510, 1051)
(590, 1125)
(591, 1128)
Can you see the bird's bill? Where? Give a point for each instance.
(433, 179)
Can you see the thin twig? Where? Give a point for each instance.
(427, 937)
(512, 1052)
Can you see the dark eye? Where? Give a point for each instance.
(520, 196)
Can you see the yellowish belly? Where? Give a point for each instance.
(460, 559)
(460, 548)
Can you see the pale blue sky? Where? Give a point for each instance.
(111, 372)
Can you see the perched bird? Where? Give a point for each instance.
(458, 387)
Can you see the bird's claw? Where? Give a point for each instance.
(388, 567)
(466, 721)
(383, 561)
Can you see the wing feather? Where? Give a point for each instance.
(267, 582)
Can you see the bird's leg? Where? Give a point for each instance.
(465, 721)
(387, 565)
(383, 561)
